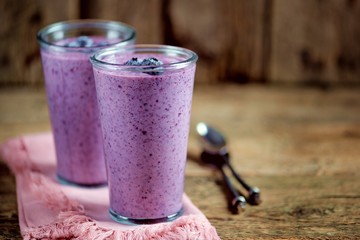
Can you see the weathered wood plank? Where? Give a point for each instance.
(144, 16)
(285, 130)
(306, 42)
(294, 207)
(315, 42)
(9, 222)
(299, 145)
(227, 35)
(19, 52)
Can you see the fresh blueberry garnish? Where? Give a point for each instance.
(133, 62)
(85, 41)
(82, 41)
(151, 62)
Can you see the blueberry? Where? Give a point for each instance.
(133, 62)
(152, 62)
(82, 41)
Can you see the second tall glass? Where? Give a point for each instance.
(144, 94)
(70, 87)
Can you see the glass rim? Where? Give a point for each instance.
(84, 23)
(169, 50)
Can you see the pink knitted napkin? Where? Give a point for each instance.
(48, 210)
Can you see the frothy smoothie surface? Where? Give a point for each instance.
(86, 42)
(145, 122)
(123, 58)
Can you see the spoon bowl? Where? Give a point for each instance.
(215, 145)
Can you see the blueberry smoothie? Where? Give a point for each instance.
(145, 106)
(72, 98)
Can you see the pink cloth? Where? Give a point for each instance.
(48, 210)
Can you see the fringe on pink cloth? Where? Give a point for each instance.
(74, 225)
(48, 211)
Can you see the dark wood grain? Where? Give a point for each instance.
(298, 42)
(20, 21)
(144, 16)
(300, 146)
(227, 35)
(9, 223)
(313, 42)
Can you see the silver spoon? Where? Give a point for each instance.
(215, 147)
(234, 197)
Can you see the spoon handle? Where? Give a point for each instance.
(235, 174)
(253, 192)
(235, 199)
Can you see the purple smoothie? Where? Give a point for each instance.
(72, 97)
(145, 122)
(74, 116)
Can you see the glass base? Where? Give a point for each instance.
(63, 181)
(137, 221)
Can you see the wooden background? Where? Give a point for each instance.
(305, 42)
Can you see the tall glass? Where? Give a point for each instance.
(145, 118)
(65, 51)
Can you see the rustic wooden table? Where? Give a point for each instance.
(300, 146)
